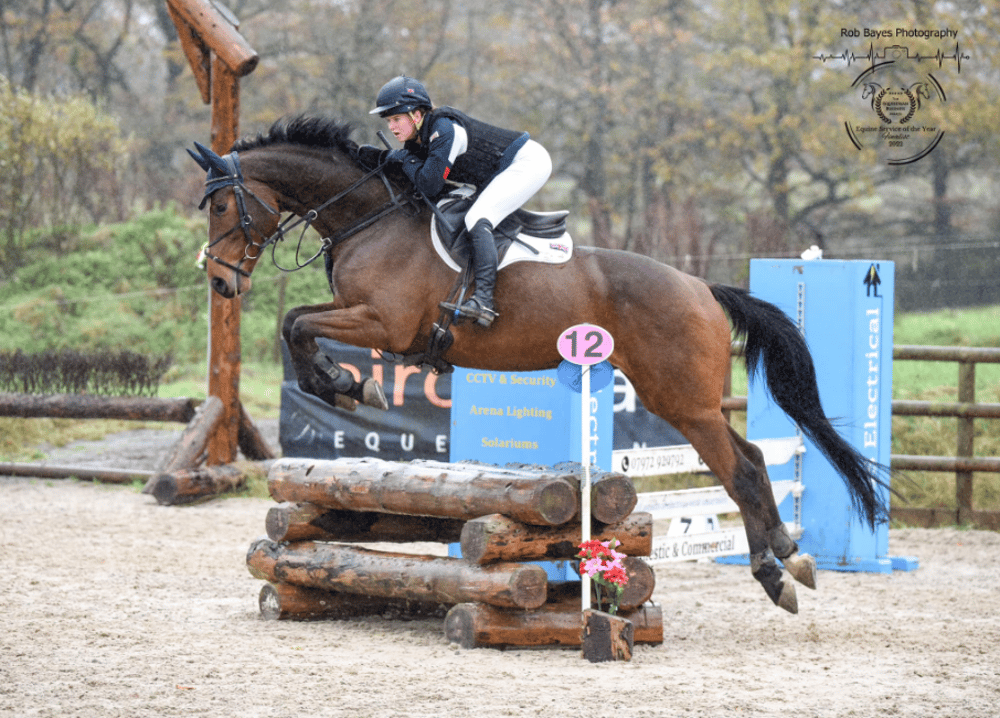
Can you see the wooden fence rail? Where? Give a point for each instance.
(966, 410)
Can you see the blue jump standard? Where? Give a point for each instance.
(845, 310)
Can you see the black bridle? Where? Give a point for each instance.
(234, 178)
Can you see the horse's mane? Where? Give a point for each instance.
(308, 130)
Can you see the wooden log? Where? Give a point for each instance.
(308, 522)
(252, 443)
(419, 488)
(189, 450)
(474, 625)
(197, 52)
(349, 569)
(612, 495)
(288, 602)
(93, 406)
(500, 538)
(189, 485)
(606, 637)
(83, 473)
(638, 590)
(217, 28)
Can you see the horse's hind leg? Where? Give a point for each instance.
(320, 375)
(738, 465)
(802, 567)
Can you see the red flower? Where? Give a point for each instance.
(616, 575)
(591, 549)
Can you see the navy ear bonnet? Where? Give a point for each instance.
(222, 171)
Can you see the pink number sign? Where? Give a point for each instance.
(586, 344)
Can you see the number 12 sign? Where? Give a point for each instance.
(586, 344)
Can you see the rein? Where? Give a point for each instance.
(234, 178)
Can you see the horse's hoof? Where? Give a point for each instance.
(801, 567)
(340, 401)
(373, 395)
(787, 600)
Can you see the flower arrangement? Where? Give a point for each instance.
(603, 564)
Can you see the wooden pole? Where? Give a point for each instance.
(288, 602)
(349, 569)
(92, 406)
(213, 25)
(251, 441)
(189, 450)
(83, 473)
(500, 538)
(224, 359)
(459, 491)
(308, 522)
(189, 485)
(473, 625)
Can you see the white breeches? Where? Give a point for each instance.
(510, 189)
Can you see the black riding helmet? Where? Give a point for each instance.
(399, 96)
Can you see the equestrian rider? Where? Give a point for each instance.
(441, 144)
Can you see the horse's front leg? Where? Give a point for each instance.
(319, 374)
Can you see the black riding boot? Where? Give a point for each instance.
(479, 306)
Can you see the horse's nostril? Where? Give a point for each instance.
(220, 286)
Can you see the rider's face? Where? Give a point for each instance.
(403, 127)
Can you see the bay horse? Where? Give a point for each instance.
(672, 335)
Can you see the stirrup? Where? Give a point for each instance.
(481, 315)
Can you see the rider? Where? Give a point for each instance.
(440, 144)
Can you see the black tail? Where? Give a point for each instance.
(773, 340)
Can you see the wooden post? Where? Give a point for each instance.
(224, 352)
(965, 442)
(219, 56)
(606, 637)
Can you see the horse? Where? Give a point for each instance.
(672, 331)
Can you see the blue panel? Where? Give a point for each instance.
(526, 418)
(846, 311)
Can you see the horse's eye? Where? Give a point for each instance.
(219, 208)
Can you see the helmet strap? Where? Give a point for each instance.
(418, 123)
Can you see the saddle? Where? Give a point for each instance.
(524, 236)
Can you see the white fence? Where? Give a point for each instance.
(694, 531)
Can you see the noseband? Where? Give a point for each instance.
(234, 178)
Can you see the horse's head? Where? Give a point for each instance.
(242, 216)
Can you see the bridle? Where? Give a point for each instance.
(234, 178)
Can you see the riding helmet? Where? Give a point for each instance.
(401, 95)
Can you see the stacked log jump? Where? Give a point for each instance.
(501, 517)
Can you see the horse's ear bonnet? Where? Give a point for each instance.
(222, 171)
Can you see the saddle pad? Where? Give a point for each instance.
(545, 251)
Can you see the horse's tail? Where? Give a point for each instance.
(773, 340)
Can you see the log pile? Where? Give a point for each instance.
(501, 517)
(182, 477)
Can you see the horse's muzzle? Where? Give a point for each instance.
(222, 287)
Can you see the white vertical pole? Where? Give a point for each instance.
(585, 478)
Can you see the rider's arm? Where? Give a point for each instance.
(447, 141)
